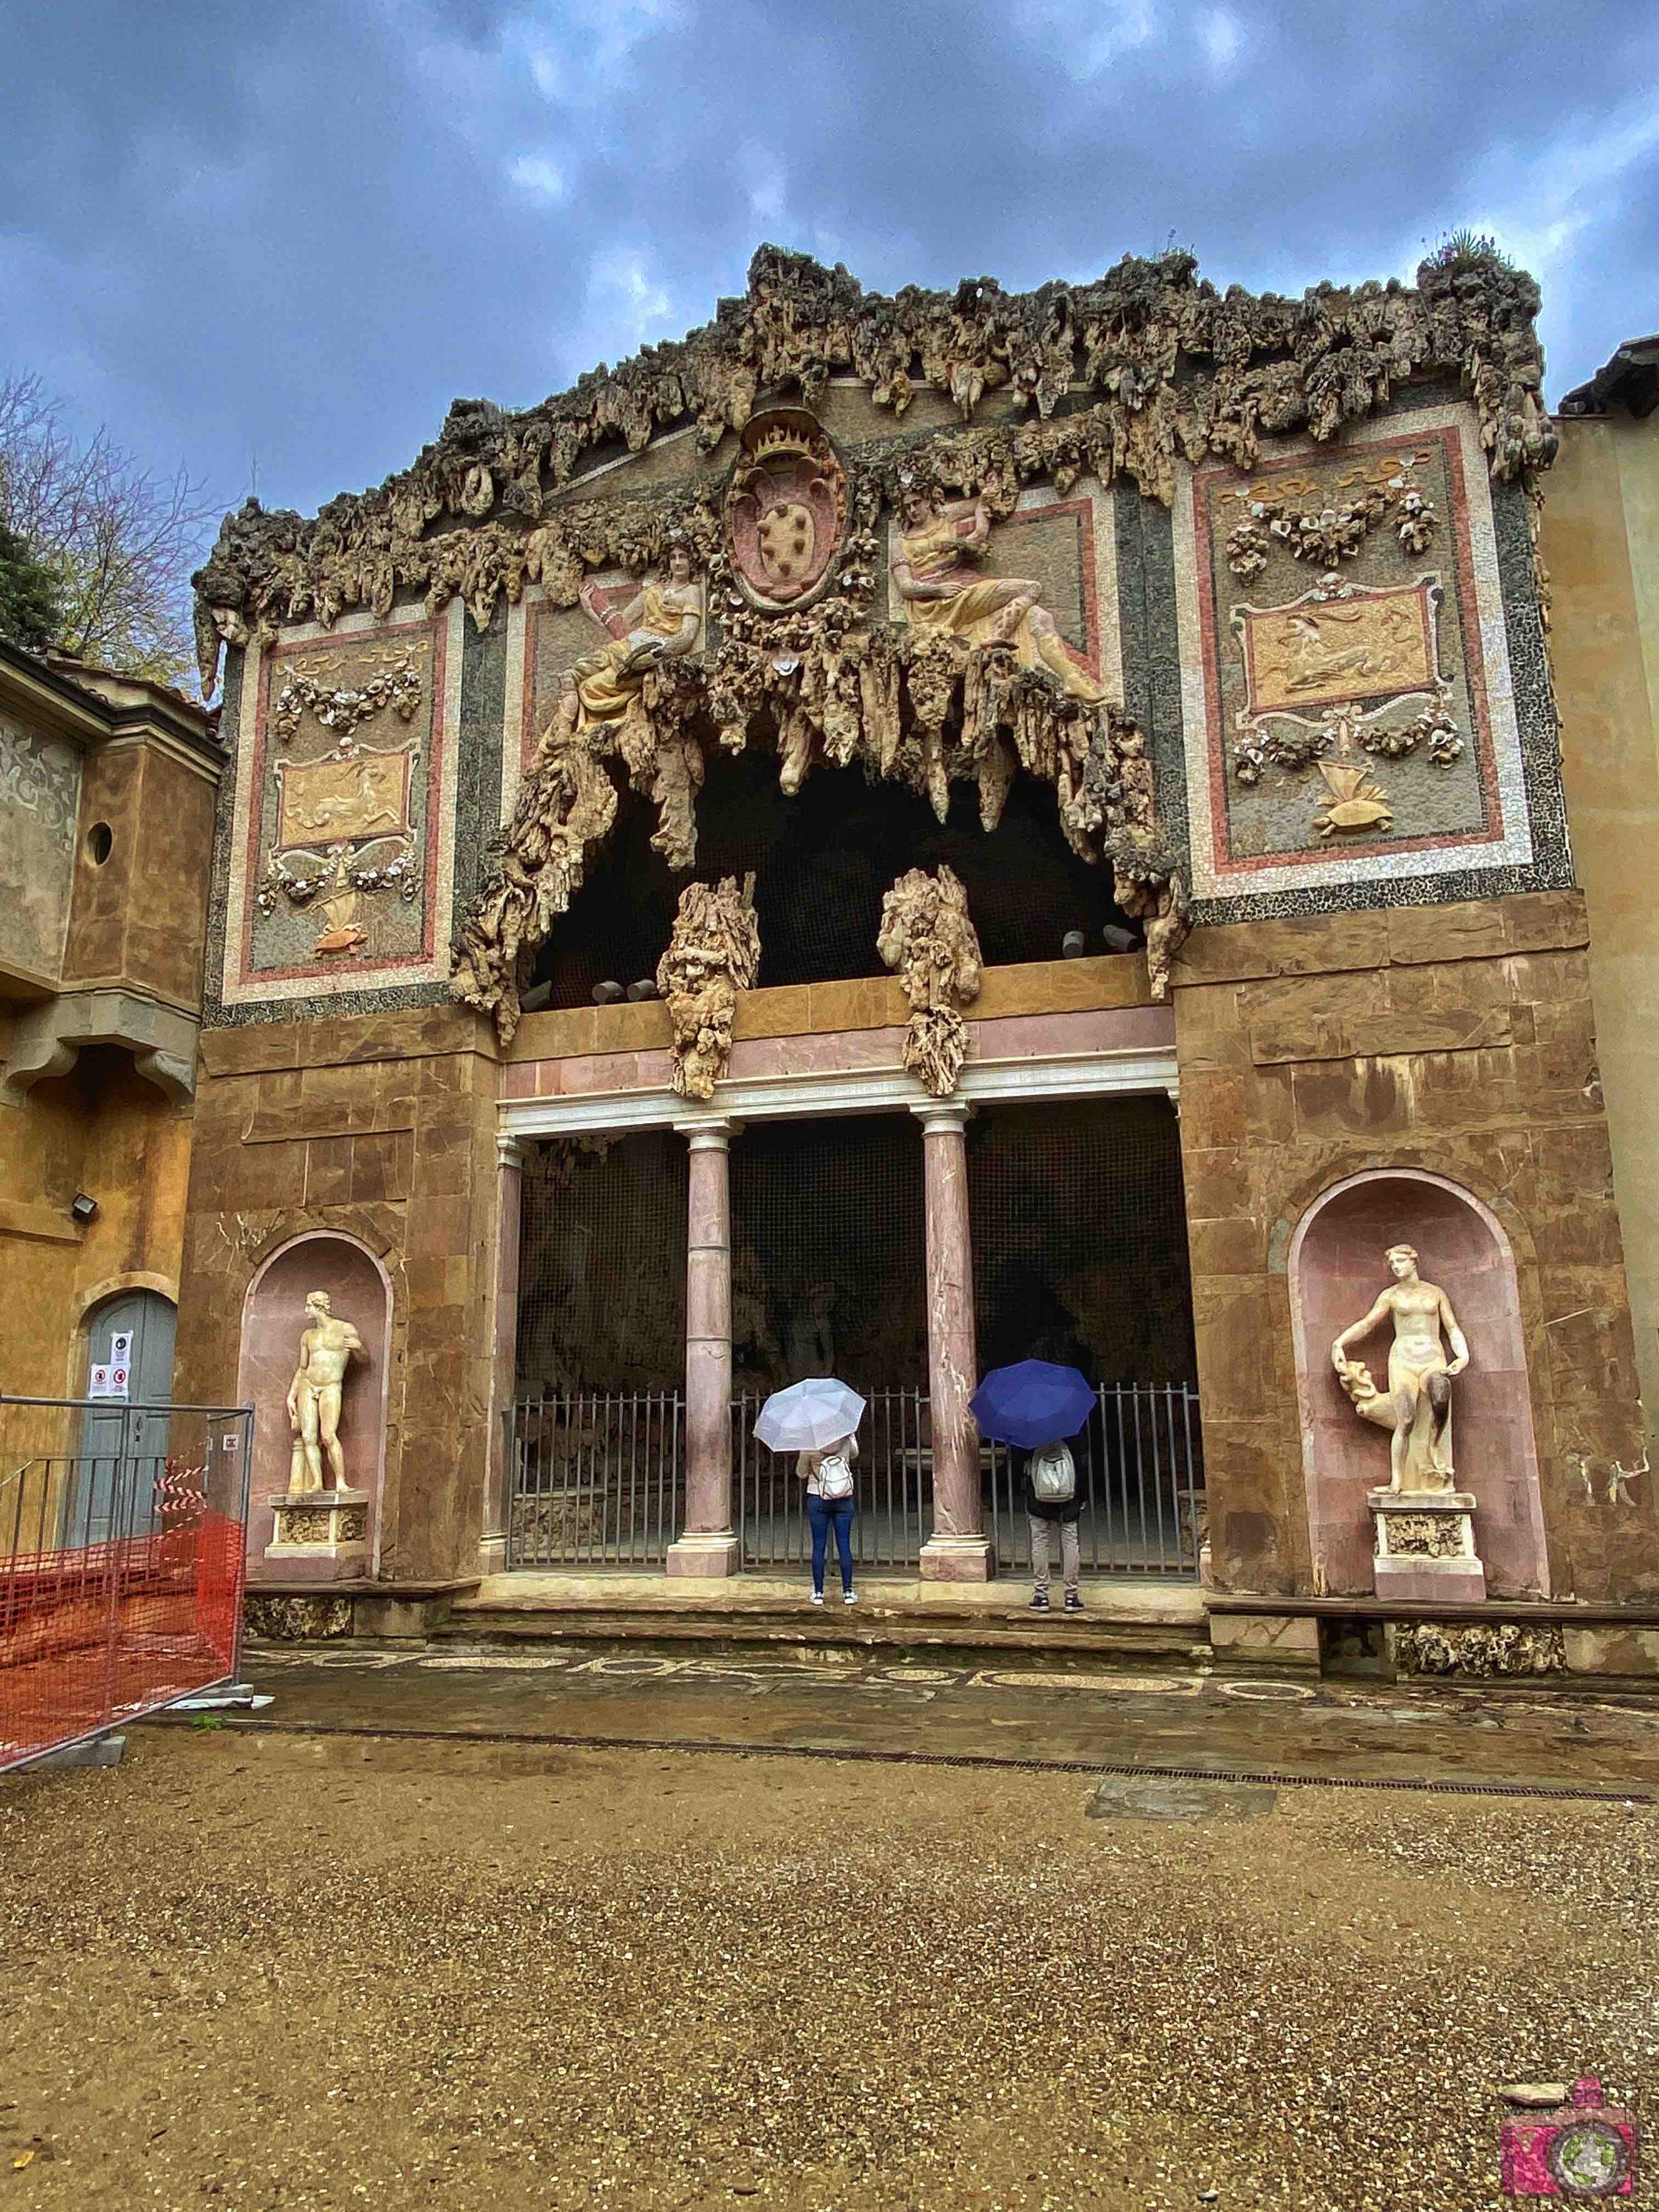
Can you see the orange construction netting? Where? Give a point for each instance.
(96, 1634)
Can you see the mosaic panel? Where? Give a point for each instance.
(1346, 695)
(343, 833)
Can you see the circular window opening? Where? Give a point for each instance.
(99, 843)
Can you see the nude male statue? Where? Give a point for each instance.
(326, 1347)
(1416, 1407)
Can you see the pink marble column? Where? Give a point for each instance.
(708, 1544)
(504, 1318)
(958, 1550)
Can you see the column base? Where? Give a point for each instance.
(717, 1554)
(957, 1559)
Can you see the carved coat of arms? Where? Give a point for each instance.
(786, 510)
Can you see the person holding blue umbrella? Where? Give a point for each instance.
(1033, 1406)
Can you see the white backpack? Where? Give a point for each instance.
(1053, 1477)
(834, 1475)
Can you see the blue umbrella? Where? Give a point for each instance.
(1031, 1403)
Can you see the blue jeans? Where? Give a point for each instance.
(825, 1514)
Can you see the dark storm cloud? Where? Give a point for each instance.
(284, 238)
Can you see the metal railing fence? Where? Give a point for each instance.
(122, 1538)
(1140, 1474)
(892, 1482)
(596, 1478)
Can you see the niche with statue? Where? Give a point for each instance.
(1418, 1446)
(316, 1328)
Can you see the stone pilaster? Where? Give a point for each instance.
(708, 1544)
(504, 1317)
(958, 1550)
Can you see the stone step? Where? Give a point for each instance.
(1136, 1620)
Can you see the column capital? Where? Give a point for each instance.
(509, 1149)
(709, 1133)
(935, 1113)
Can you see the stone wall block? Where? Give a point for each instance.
(1212, 1109)
(1231, 1317)
(1296, 944)
(1467, 930)
(1235, 1247)
(1371, 1101)
(1209, 1034)
(328, 1171)
(1542, 919)
(381, 1166)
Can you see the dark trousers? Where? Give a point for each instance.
(825, 1514)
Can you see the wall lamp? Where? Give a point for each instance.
(82, 1207)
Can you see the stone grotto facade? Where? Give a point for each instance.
(898, 833)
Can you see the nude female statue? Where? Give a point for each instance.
(326, 1347)
(1416, 1407)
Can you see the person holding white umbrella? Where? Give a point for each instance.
(818, 1420)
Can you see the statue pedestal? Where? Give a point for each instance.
(319, 1525)
(1426, 1547)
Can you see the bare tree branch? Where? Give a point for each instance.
(120, 540)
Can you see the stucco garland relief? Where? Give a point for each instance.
(1170, 367)
(345, 829)
(1369, 708)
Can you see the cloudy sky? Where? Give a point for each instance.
(275, 239)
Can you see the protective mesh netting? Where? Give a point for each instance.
(828, 1239)
(821, 861)
(602, 1265)
(1080, 1238)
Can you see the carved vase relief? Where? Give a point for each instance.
(786, 510)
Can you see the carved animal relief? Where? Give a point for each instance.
(928, 941)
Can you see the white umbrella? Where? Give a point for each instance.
(809, 1415)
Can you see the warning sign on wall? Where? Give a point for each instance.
(107, 1382)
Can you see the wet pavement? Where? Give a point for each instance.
(1490, 1736)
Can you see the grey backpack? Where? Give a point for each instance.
(1053, 1477)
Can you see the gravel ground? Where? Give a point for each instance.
(266, 1970)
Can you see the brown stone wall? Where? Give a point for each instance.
(379, 1128)
(139, 916)
(1458, 1039)
(1600, 541)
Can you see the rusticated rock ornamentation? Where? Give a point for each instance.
(714, 953)
(927, 938)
